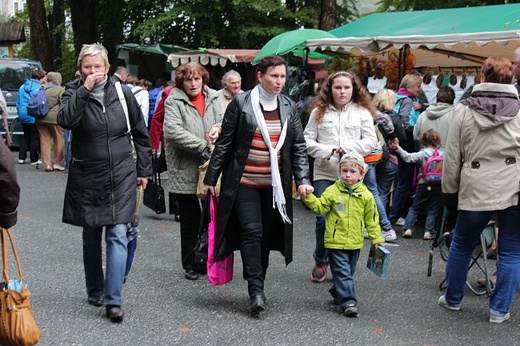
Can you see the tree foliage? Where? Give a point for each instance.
(188, 23)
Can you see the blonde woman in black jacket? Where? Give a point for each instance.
(103, 176)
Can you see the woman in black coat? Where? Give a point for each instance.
(255, 205)
(103, 176)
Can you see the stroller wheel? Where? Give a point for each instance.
(444, 243)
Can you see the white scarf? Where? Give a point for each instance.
(278, 195)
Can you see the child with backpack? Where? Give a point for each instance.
(428, 195)
(349, 207)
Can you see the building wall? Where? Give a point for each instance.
(9, 7)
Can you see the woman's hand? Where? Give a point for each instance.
(209, 188)
(142, 181)
(213, 134)
(92, 79)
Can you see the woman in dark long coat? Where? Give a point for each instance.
(260, 148)
(103, 177)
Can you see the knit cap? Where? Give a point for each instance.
(354, 157)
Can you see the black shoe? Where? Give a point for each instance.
(95, 300)
(257, 304)
(191, 275)
(115, 313)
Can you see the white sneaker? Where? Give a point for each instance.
(407, 233)
(442, 302)
(59, 168)
(400, 222)
(498, 319)
(39, 162)
(389, 235)
(21, 162)
(428, 236)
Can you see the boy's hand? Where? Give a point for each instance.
(305, 190)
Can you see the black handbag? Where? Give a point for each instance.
(161, 162)
(154, 192)
(200, 251)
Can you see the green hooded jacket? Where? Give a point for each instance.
(346, 216)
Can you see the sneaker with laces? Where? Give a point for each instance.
(428, 236)
(389, 235)
(407, 233)
(319, 273)
(400, 222)
(497, 318)
(442, 302)
(351, 310)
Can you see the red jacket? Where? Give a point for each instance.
(156, 127)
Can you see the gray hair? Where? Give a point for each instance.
(230, 73)
(93, 50)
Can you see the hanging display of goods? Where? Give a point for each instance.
(440, 79)
(464, 81)
(427, 78)
(453, 79)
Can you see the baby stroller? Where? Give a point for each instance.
(478, 267)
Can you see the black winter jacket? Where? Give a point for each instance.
(101, 186)
(229, 157)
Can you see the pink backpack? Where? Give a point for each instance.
(432, 170)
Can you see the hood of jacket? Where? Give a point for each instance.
(54, 78)
(30, 85)
(437, 110)
(494, 104)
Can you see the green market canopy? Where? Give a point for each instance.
(458, 37)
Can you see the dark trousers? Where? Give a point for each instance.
(256, 217)
(31, 142)
(405, 173)
(190, 213)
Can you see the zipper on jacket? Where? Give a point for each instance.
(335, 228)
(110, 166)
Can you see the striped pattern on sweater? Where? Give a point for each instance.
(257, 171)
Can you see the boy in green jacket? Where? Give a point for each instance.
(349, 208)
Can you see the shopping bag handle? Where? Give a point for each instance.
(6, 232)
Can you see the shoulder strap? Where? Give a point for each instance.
(122, 99)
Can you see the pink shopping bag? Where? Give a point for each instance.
(219, 272)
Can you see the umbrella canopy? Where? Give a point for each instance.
(289, 41)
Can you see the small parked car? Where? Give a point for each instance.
(13, 72)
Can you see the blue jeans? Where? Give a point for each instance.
(386, 173)
(466, 236)
(343, 266)
(116, 252)
(405, 172)
(67, 135)
(370, 181)
(320, 253)
(428, 198)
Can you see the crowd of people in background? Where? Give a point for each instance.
(368, 154)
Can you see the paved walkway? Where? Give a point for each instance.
(162, 308)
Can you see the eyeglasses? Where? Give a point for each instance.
(93, 67)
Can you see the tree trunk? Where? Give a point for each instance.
(328, 15)
(57, 29)
(111, 22)
(84, 14)
(314, 14)
(40, 43)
